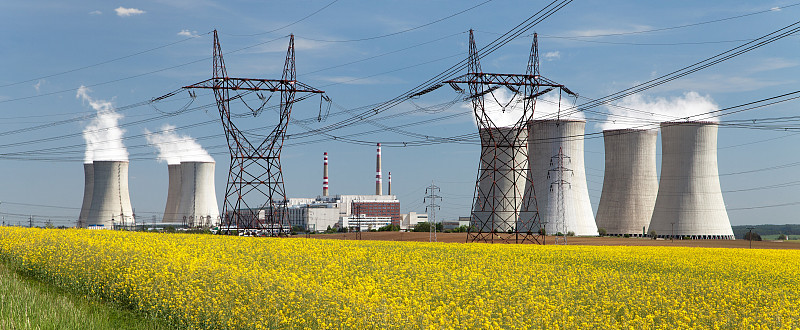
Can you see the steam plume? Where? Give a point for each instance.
(175, 148)
(103, 136)
(547, 107)
(641, 111)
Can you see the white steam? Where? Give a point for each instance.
(175, 148)
(505, 108)
(103, 136)
(640, 111)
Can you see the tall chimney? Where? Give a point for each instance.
(325, 176)
(378, 180)
(390, 183)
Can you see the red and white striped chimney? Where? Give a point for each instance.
(390, 183)
(378, 180)
(325, 176)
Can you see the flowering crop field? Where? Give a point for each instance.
(204, 281)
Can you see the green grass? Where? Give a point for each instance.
(28, 304)
(775, 237)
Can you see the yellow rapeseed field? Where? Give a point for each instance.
(204, 281)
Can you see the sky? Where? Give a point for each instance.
(72, 65)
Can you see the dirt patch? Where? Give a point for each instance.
(607, 241)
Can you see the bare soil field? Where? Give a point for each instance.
(610, 241)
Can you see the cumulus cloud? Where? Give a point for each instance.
(504, 108)
(103, 135)
(38, 85)
(175, 148)
(125, 12)
(552, 55)
(187, 33)
(641, 111)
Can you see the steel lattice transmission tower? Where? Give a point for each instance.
(559, 183)
(431, 198)
(255, 197)
(500, 211)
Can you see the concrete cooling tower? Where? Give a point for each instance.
(198, 203)
(173, 194)
(689, 201)
(630, 183)
(501, 183)
(111, 201)
(88, 187)
(546, 138)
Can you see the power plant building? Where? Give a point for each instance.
(689, 201)
(546, 138)
(173, 195)
(88, 188)
(198, 201)
(630, 183)
(111, 201)
(501, 180)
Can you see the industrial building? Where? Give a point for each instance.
(630, 183)
(689, 201)
(546, 138)
(501, 180)
(198, 202)
(344, 211)
(110, 199)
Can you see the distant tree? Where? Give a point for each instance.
(626, 235)
(422, 227)
(782, 237)
(602, 232)
(653, 234)
(752, 236)
(570, 233)
(169, 229)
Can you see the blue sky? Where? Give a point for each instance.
(365, 52)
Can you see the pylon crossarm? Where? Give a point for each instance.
(251, 84)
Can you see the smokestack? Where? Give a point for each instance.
(198, 203)
(689, 201)
(500, 183)
(111, 201)
(630, 183)
(88, 187)
(546, 138)
(325, 176)
(173, 194)
(378, 180)
(390, 183)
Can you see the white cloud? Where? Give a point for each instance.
(39, 85)
(608, 31)
(775, 9)
(125, 12)
(552, 55)
(96, 12)
(187, 33)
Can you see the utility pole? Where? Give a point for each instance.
(432, 207)
(750, 235)
(30, 224)
(559, 183)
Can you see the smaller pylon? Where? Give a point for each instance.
(560, 182)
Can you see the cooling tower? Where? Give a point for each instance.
(630, 183)
(88, 187)
(173, 194)
(546, 138)
(689, 201)
(198, 203)
(111, 201)
(501, 183)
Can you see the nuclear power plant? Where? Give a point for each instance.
(689, 201)
(171, 214)
(198, 202)
(572, 210)
(88, 188)
(110, 200)
(630, 183)
(500, 186)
